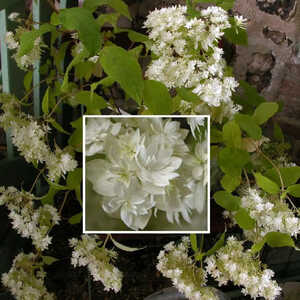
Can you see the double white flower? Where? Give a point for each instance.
(143, 168)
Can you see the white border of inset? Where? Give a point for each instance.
(141, 231)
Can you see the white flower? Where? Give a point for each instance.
(195, 124)
(28, 221)
(10, 41)
(98, 260)
(174, 263)
(232, 263)
(13, 16)
(240, 21)
(23, 281)
(97, 130)
(157, 165)
(94, 59)
(134, 204)
(140, 169)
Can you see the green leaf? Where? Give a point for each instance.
(157, 98)
(45, 102)
(258, 246)
(294, 190)
(28, 38)
(76, 60)
(244, 220)
(248, 124)
(136, 51)
(225, 4)
(75, 219)
(193, 239)
(290, 175)
(57, 126)
(93, 102)
(49, 260)
(49, 197)
(139, 38)
(122, 67)
(82, 20)
(123, 247)
(108, 18)
(232, 136)
(56, 186)
(232, 160)
(278, 239)
(266, 184)
(28, 80)
(75, 139)
(265, 111)
(84, 70)
(216, 136)
(118, 5)
(218, 245)
(59, 55)
(74, 178)
(227, 201)
(250, 95)
(230, 182)
(188, 95)
(277, 133)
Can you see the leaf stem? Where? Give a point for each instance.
(274, 166)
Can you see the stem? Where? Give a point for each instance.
(64, 201)
(275, 167)
(290, 200)
(201, 243)
(36, 179)
(31, 90)
(106, 240)
(247, 178)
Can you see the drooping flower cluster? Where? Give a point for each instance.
(174, 263)
(147, 165)
(30, 139)
(233, 263)
(98, 260)
(28, 221)
(188, 56)
(24, 61)
(270, 214)
(25, 279)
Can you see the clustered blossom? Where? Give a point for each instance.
(174, 263)
(146, 166)
(233, 263)
(30, 139)
(25, 279)
(12, 40)
(188, 55)
(28, 221)
(270, 214)
(98, 260)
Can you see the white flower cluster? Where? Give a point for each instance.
(147, 165)
(30, 139)
(270, 214)
(25, 281)
(232, 263)
(29, 59)
(98, 260)
(28, 221)
(188, 55)
(174, 263)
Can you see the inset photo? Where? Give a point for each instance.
(146, 173)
